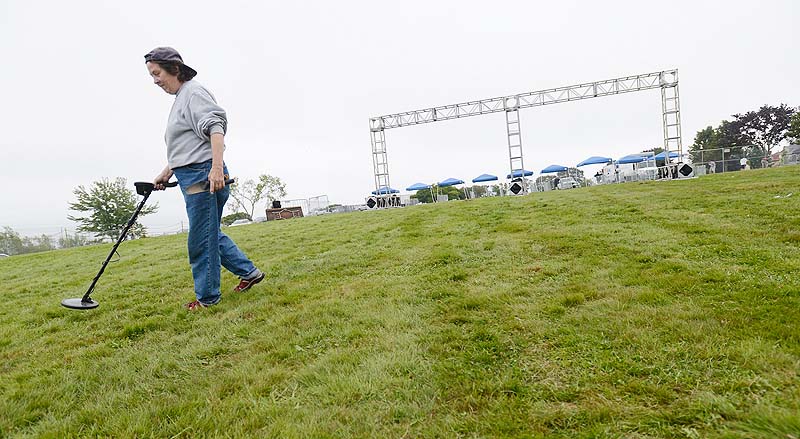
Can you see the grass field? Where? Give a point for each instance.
(661, 309)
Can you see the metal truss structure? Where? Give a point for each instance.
(666, 80)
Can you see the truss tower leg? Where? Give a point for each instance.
(514, 132)
(671, 113)
(379, 159)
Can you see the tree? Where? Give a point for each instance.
(452, 192)
(41, 243)
(110, 205)
(500, 188)
(75, 240)
(11, 243)
(752, 134)
(247, 194)
(764, 129)
(229, 219)
(705, 147)
(478, 190)
(424, 195)
(794, 128)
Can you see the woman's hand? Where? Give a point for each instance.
(162, 178)
(216, 179)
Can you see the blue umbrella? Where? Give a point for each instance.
(630, 159)
(554, 168)
(450, 182)
(594, 160)
(519, 173)
(385, 190)
(484, 177)
(418, 187)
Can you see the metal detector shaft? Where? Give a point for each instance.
(113, 250)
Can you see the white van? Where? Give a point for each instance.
(568, 183)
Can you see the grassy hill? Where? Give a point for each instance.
(661, 309)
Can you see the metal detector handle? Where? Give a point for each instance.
(228, 181)
(207, 184)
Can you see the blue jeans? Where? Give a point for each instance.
(208, 246)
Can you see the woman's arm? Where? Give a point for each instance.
(216, 177)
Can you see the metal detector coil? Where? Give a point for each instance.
(79, 303)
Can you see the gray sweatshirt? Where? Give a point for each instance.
(194, 117)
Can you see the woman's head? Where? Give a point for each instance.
(167, 69)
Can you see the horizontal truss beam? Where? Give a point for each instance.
(666, 78)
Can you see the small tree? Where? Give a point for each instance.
(248, 193)
(74, 240)
(110, 205)
(10, 242)
(478, 190)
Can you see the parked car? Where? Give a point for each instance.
(3, 255)
(568, 183)
(241, 222)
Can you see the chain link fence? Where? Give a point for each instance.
(733, 158)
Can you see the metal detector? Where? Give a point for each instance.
(86, 302)
(143, 188)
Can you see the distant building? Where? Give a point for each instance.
(791, 155)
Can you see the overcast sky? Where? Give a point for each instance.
(300, 80)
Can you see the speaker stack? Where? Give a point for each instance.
(516, 187)
(685, 170)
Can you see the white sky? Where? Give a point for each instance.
(300, 80)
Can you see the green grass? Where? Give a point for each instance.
(661, 309)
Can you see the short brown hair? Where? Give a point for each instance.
(174, 68)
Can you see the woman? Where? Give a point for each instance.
(195, 140)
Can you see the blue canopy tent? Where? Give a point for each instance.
(418, 187)
(633, 158)
(551, 169)
(452, 182)
(672, 155)
(520, 173)
(594, 160)
(554, 168)
(385, 191)
(653, 162)
(630, 174)
(659, 156)
(421, 187)
(484, 177)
